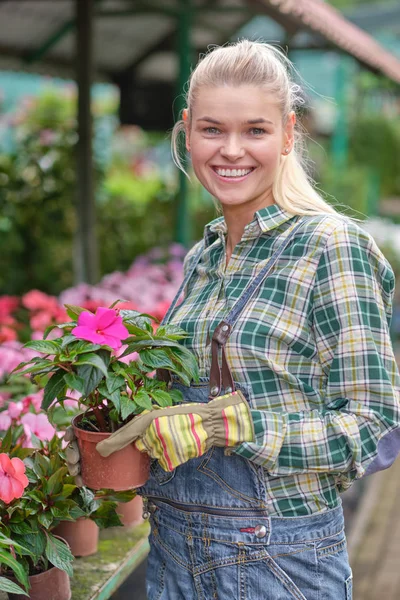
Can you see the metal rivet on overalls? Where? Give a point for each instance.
(145, 515)
(224, 328)
(228, 390)
(214, 390)
(152, 507)
(260, 531)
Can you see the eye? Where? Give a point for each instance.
(211, 130)
(257, 131)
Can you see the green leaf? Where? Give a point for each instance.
(139, 345)
(143, 399)
(74, 311)
(54, 387)
(157, 359)
(106, 515)
(43, 346)
(114, 382)
(55, 482)
(36, 543)
(9, 586)
(59, 554)
(162, 398)
(128, 407)
(91, 376)
(7, 559)
(74, 382)
(172, 332)
(176, 396)
(20, 528)
(116, 302)
(45, 519)
(94, 360)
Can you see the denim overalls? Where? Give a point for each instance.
(211, 534)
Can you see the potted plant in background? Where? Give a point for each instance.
(99, 510)
(34, 562)
(89, 358)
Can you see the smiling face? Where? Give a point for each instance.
(236, 139)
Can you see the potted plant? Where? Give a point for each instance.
(90, 357)
(99, 511)
(34, 562)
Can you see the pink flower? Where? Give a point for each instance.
(34, 400)
(15, 409)
(37, 300)
(37, 424)
(13, 480)
(5, 421)
(105, 328)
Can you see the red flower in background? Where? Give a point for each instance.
(13, 480)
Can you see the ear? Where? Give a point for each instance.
(288, 137)
(185, 117)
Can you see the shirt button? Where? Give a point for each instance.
(260, 531)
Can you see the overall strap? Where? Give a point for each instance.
(221, 377)
(189, 274)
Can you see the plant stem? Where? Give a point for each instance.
(100, 418)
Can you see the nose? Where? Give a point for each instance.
(232, 148)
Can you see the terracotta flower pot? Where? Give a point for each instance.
(82, 536)
(125, 469)
(49, 585)
(131, 512)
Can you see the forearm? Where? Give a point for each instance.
(320, 442)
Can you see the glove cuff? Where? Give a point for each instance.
(230, 421)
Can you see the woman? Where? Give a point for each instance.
(299, 389)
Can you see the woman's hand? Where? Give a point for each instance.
(174, 435)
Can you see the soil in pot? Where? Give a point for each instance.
(131, 513)
(82, 536)
(125, 469)
(52, 584)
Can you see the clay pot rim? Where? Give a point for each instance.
(79, 432)
(37, 576)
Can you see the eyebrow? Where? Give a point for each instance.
(249, 122)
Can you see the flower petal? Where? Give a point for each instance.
(113, 342)
(87, 319)
(117, 330)
(85, 333)
(105, 317)
(6, 492)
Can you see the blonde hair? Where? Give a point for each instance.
(260, 64)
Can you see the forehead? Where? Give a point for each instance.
(226, 102)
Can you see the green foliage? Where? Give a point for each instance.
(375, 144)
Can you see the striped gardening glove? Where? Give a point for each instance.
(174, 435)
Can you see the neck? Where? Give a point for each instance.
(236, 219)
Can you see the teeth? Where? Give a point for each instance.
(233, 172)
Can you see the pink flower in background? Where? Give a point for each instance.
(104, 327)
(5, 421)
(38, 425)
(34, 400)
(128, 358)
(37, 300)
(14, 409)
(7, 334)
(13, 480)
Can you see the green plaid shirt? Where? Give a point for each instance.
(312, 347)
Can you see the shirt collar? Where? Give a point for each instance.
(264, 220)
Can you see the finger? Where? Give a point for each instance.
(78, 481)
(74, 469)
(72, 453)
(69, 435)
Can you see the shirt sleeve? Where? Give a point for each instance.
(357, 428)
